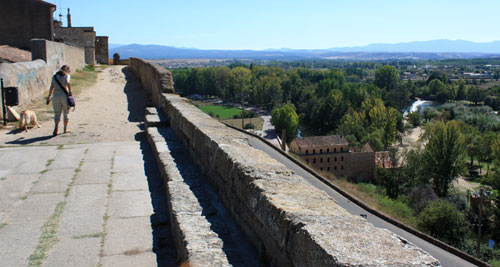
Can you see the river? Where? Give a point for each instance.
(422, 104)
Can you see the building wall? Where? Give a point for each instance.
(79, 36)
(22, 20)
(58, 54)
(362, 165)
(338, 160)
(336, 163)
(33, 78)
(101, 50)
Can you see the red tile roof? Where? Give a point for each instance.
(321, 141)
(10, 54)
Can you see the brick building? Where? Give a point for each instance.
(23, 20)
(333, 154)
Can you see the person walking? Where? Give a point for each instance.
(60, 88)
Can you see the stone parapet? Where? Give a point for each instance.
(288, 220)
(154, 78)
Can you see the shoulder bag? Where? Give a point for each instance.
(71, 99)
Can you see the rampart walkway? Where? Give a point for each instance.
(89, 197)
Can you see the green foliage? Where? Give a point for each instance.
(249, 126)
(285, 118)
(442, 220)
(414, 118)
(444, 154)
(438, 75)
(387, 77)
(482, 117)
(476, 95)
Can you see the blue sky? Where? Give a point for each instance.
(259, 24)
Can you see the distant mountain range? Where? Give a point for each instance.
(421, 50)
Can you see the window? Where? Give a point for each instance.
(327, 150)
(314, 151)
(328, 160)
(334, 149)
(307, 160)
(321, 168)
(342, 158)
(328, 168)
(314, 160)
(321, 151)
(341, 167)
(321, 160)
(335, 159)
(335, 168)
(341, 149)
(307, 151)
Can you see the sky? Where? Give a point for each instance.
(259, 24)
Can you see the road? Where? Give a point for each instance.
(446, 258)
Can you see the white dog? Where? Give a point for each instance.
(28, 117)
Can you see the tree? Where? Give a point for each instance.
(475, 95)
(327, 115)
(444, 154)
(239, 83)
(461, 91)
(285, 118)
(414, 118)
(429, 113)
(387, 77)
(486, 151)
(442, 220)
(473, 146)
(438, 75)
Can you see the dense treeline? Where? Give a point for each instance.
(327, 101)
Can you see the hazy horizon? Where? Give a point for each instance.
(258, 25)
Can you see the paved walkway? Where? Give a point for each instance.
(81, 199)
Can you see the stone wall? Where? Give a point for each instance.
(101, 50)
(362, 165)
(33, 78)
(80, 36)
(22, 20)
(58, 54)
(290, 222)
(154, 78)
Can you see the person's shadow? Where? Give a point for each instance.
(23, 141)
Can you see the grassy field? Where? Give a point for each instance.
(221, 112)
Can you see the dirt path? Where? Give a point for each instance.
(103, 113)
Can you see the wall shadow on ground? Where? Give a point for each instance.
(163, 243)
(136, 97)
(237, 248)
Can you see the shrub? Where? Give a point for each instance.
(249, 126)
(442, 220)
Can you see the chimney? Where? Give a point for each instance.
(69, 19)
